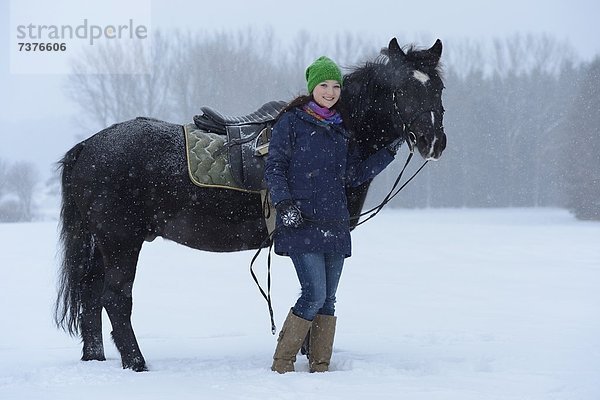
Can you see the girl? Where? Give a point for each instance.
(311, 160)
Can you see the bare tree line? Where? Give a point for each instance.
(17, 187)
(509, 103)
(233, 71)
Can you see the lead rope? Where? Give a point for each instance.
(268, 241)
(389, 196)
(267, 295)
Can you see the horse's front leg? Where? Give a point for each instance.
(120, 264)
(92, 287)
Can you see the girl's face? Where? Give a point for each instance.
(327, 93)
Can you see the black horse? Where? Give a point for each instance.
(129, 183)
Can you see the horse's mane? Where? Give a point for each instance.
(416, 58)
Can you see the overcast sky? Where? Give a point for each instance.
(575, 20)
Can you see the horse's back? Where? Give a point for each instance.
(145, 142)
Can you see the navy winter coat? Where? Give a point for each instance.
(311, 163)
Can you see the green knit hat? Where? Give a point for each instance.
(320, 70)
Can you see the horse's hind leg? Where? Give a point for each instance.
(120, 260)
(91, 309)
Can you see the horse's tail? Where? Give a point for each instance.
(76, 248)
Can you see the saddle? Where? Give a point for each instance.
(246, 143)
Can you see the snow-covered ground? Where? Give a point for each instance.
(434, 304)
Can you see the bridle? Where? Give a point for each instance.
(407, 132)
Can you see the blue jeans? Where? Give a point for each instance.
(319, 275)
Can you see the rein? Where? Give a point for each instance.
(268, 241)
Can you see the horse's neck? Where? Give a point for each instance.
(368, 130)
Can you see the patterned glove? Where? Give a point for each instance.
(289, 213)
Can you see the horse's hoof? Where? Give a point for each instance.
(93, 357)
(137, 365)
(93, 350)
(137, 368)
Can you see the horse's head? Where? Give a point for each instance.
(416, 90)
(399, 95)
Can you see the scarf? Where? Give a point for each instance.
(323, 114)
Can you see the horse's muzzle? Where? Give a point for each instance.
(431, 149)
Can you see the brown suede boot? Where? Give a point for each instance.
(321, 342)
(292, 335)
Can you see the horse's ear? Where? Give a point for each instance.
(394, 50)
(436, 50)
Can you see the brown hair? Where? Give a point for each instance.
(299, 101)
(302, 100)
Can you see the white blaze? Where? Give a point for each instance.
(430, 155)
(420, 76)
